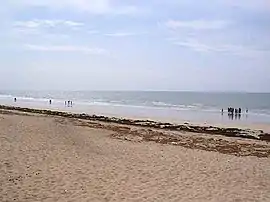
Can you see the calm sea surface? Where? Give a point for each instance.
(189, 106)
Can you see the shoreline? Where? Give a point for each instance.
(164, 114)
(186, 127)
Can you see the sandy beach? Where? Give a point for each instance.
(49, 158)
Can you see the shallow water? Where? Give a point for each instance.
(172, 106)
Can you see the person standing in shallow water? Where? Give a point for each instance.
(15, 99)
(50, 101)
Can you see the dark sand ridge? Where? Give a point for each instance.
(228, 132)
(234, 141)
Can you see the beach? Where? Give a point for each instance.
(135, 101)
(54, 158)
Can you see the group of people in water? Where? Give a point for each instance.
(234, 113)
(69, 103)
(234, 110)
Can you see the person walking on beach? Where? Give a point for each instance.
(50, 102)
(15, 99)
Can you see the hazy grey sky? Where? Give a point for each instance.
(206, 45)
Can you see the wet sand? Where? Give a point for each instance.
(47, 158)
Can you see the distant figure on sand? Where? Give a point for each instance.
(222, 111)
(247, 110)
(15, 99)
(50, 102)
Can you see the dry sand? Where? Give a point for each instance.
(46, 158)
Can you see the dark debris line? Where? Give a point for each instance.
(228, 132)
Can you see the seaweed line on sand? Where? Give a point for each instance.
(228, 132)
(164, 133)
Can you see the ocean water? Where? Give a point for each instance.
(185, 106)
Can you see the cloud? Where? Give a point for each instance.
(89, 6)
(53, 48)
(260, 5)
(238, 50)
(123, 34)
(194, 45)
(214, 36)
(219, 5)
(45, 27)
(197, 24)
(47, 23)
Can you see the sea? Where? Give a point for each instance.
(198, 107)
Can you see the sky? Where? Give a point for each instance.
(174, 45)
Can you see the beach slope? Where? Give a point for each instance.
(50, 158)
